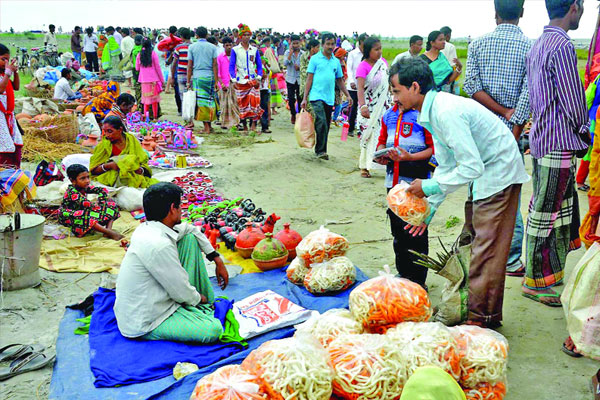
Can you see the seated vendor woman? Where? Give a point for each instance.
(119, 159)
(83, 215)
(163, 290)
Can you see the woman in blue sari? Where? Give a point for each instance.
(443, 73)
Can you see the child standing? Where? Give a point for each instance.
(83, 215)
(412, 147)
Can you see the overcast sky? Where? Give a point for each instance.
(400, 18)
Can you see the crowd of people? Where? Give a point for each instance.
(438, 142)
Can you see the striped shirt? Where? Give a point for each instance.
(556, 95)
(181, 53)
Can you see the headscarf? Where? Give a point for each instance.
(243, 28)
(340, 54)
(432, 383)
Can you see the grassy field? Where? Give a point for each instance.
(30, 40)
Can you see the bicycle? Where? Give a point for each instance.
(23, 58)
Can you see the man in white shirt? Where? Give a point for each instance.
(346, 45)
(416, 45)
(62, 89)
(450, 49)
(117, 35)
(127, 45)
(163, 290)
(354, 59)
(475, 149)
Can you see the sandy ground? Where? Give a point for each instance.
(282, 178)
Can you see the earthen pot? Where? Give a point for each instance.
(290, 239)
(269, 253)
(247, 239)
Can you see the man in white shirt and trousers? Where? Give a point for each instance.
(354, 59)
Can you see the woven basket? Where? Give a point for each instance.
(64, 128)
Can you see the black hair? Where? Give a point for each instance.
(185, 33)
(294, 37)
(51, 26)
(65, 72)
(74, 170)
(139, 31)
(413, 70)
(115, 122)
(327, 36)
(509, 10)
(266, 40)
(432, 38)
(370, 42)
(560, 8)
(118, 28)
(446, 30)
(201, 32)
(138, 40)
(226, 40)
(312, 43)
(125, 31)
(172, 29)
(212, 39)
(89, 30)
(158, 199)
(276, 40)
(126, 99)
(414, 39)
(146, 53)
(362, 37)
(110, 29)
(77, 27)
(4, 50)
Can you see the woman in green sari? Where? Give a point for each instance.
(443, 73)
(111, 56)
(119, 159)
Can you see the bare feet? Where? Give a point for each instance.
(546, 296)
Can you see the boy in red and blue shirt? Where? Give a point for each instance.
(412, 149)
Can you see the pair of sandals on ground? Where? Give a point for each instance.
(22, 358)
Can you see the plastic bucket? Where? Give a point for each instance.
(20, 251)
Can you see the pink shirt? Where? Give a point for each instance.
(223, 69)
(364, 68)
(152, 73)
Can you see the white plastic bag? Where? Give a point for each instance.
(266, 311)
(188, 106)
(330, 276)
(581, 303)
(230, 382)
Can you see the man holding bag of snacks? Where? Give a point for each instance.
(473, 147)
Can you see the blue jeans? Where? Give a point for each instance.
(516, 246)
(77, 56)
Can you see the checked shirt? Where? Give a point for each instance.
(496, 64)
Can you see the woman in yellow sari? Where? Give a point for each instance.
(119, 159)
(102, 104)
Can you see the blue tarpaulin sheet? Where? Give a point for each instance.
(73, 379)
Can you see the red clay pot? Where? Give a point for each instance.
(290, 238)
(247, 239)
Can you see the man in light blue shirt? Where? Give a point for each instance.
(324, 73)
(473, 147)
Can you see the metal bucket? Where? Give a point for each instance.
(20, 245)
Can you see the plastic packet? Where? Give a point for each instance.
(296, 367)
(410, 208)
(483, 359)
(321, 245)
(382, 302)
(329, 325)
(486, 391)
(427, 343)
(330, 276)
(230, 382)
(182, 369)
(367, 366)
(297, 271)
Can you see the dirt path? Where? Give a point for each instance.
(287, 180)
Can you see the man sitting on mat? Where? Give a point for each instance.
(163, 290)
